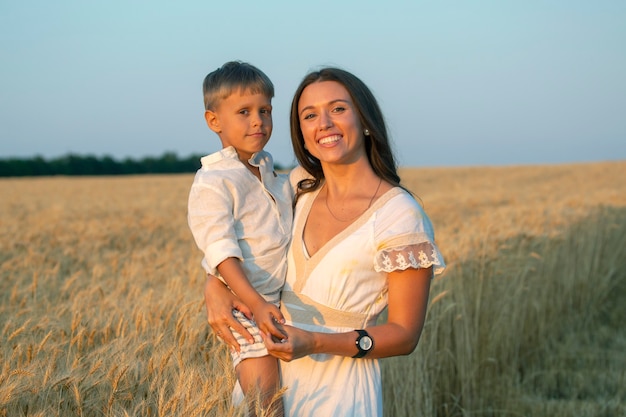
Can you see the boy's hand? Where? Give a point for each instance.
(268, 318)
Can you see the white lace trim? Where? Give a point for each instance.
(420, 255)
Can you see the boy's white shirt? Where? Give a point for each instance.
(233, 214)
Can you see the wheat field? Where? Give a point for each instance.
(101, 309)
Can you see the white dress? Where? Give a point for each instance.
(343, 287)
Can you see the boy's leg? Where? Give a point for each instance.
(260, 376)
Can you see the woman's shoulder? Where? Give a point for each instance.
(398, 198)
(298, 174)
(401, 210)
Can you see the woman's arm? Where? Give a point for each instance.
(408, 299)
(220, 302)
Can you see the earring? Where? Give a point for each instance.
(366, 132)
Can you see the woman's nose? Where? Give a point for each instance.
(325, 121)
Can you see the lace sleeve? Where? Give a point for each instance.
(418, 255)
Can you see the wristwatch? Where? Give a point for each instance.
(364, 343)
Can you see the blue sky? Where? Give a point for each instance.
(461, 83)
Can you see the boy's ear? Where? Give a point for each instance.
(212, 121)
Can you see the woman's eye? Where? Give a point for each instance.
(308, 116)
(339, 109)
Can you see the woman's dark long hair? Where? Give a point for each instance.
(377, 145)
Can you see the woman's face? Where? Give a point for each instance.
(329, 123)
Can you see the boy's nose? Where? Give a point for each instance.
(257, 119)
(262, 118)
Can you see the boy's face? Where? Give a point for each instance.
(243, 121)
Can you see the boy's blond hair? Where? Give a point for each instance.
(233, 76)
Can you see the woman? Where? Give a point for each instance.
(360, 244)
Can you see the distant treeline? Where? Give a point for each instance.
(168, 163)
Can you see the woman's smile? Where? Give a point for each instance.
(328, 140)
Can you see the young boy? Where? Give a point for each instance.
(240, 214)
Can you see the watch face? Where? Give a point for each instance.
(365, 343)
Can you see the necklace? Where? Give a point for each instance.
(366, 208)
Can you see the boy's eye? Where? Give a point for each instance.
(243, 111)
(266, 111)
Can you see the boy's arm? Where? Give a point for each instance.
(231, 271)
(265, 314)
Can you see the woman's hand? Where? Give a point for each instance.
(298, 343)
(220, 303)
